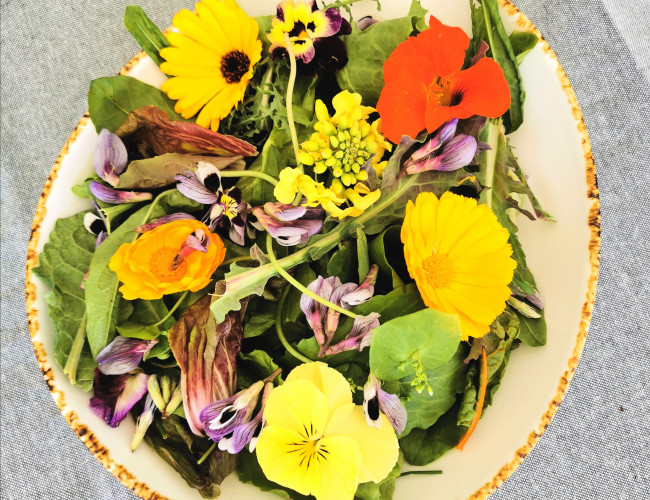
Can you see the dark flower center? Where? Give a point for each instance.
(234, 65)
(373, 408)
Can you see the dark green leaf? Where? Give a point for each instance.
(111, 99)
(362, 255)
(343, 263)
(522, 43)
(305, 276)
(258, 363)
(258, 324)
(138, 331)
(388, 247)
(161, 350)
(145, 32)
(532, 331)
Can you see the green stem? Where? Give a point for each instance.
(171, 311)
(491, 157)
(206, 454)
(278, 328)
(281, 271)
(71, 364)
(420, 473)
(488, 27)
(249, 173)
(290, 85)
(341, 3)
(235, 259)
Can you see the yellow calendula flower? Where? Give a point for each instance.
(459, 256)
(174, 257)
(211, 60)
(317, 441)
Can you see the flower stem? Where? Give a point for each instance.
(290, 85)
(491, 158)
(281, 271)
(171, 311)
(278, 328)
(71, 364)
(420, 473)
(206, 454)
(249, 173)
(235, 259)
(479, 404)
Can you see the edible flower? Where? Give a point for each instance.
(289, 225)
(110, 157)
(226, 208)
(166, 393)
(359, 337)
(143, 423)
(115, 395)
(96, 224)
(445, 151)
(313, 36)
(316, 440)
(459, 256)
(211, 60)
(123, 355)
(424, 85)
(376, 402)
(174, 257)
(114, 196)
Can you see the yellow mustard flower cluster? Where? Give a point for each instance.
(343, 147)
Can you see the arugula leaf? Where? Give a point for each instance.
(368, 50)
(488, 27)
(522, 43)
(111, 99)
(62, 266)
(145, 32)
(102, 296)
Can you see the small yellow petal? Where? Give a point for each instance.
(329, 381)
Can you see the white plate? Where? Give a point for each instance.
(553, 149)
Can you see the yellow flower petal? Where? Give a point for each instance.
(329, 381)
(379, 448)
(299, 406)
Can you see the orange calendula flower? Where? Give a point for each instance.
(173, 257)
(459, 256)
(425, 87)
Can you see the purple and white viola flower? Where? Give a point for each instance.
(248, 432)
(123, 355)
(376, 400)
(144, 422)
(96, 224)
(359, 337)
(110, 158)
(289, 225)
(323, 320)
(445, 151)
(115, 395)
(219, 419)
(227, 208)
(115, 196)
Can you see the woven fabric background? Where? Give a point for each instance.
(598, 445)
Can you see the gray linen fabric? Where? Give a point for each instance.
(596, 447)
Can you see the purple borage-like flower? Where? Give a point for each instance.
(313, 35)
(110, 157)
(324, 321)
(115, 395)
(114, 196)
(376, 400)
(287, 224)
(123, 355)
(227, 208)
(444, 152)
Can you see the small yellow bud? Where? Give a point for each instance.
(334, 142)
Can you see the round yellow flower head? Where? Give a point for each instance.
(173, 257)
(317, 441)
(459, 256)
(211, 60)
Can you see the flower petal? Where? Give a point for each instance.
(113, 196)
(123, 355)
(110, 157)
(299, 406)
(484, 90)
(327, 380)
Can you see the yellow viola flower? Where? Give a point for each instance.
(174, 257)
(317, 441)
(211, 60)
(459, 256)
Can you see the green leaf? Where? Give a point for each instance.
(102, 296)
(161, 350)
(488, 26)
(522, 43)
(145, 32)
(428, 338)
(305, 276)
(111, 99)
(532, 331)
(258, 324)
(62, 266)
(249, 471)
(388, 247)
(362, 255)
(384, 490)
(446, 382)
(258, 363)
(423, 446)
(138, 331)
(368, 50)
(343, 263)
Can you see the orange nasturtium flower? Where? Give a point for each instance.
(174, 257)
(425, 87)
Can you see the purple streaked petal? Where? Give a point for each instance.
(457, 153)
(366, 22)
(359, 337)
(393, 408)
(280, 12)
(100, 238)
(163, 220)
(123, 355)
(284, 212)
(445, 133)
(110, 157)
(363, 292)
(243, 434)
(114, 197)
(333, 25)
(134, 389)
(305, 51)
(106, 389)
(331, 53)
(190, 186)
